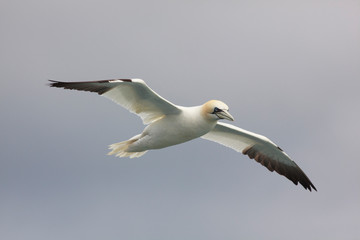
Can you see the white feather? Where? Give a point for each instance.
(138, 98)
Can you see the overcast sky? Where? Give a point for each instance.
(289, 70)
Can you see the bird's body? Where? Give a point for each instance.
(174, 129)
(169, 124)
(187, 124)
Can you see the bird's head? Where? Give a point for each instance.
(215, 110)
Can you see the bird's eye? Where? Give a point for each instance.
(216, 110)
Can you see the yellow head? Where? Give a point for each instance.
(215, 110)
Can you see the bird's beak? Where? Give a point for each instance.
(224, 114)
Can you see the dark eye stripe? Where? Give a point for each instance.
(216, 110)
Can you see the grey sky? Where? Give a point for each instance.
(288, 70)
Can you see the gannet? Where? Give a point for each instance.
(169, 124)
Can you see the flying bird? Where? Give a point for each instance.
(169, 124)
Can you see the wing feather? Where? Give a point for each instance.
(261, 149)
(132, 94)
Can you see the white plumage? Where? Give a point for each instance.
(169, 124)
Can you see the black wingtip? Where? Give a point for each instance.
(51, 83)
(313, 187)
(100, 87)
(54, 83)
(308, 185)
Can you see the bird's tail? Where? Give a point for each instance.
(120, 148)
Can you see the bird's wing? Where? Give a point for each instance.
(261, 149)
(132, 94)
